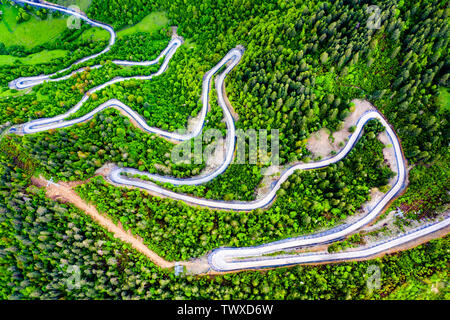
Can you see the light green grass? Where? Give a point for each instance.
(7, 60)
(151, 23)
(443, 100)
(82, 4)
(37, 58)
(325, 83)
(30, 33)
(5, 92)
(94, 34)
(188, 43)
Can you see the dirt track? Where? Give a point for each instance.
(63, 192)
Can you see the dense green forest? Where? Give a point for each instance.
(297, 90)
(304, 61)
(308, 201)
(41, 241)
(81, 149)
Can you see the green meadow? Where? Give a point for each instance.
(443, 100)
(150, 24)
(37, 58)
(30, 33)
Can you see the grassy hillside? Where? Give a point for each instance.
(30, 33)
(151, 23)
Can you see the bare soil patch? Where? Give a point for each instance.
(321, 143)
(63, 192)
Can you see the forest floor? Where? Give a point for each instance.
(63, 192)
(380, 223)
(388, 151)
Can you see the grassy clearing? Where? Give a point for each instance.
(151, 23)
(37, 58)
(30, 33)
(188, 43)
(94, 34)
(443, 100)
(5, 92)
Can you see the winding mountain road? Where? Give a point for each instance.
(232, 259)
(228, 259)
(57, 122)
(28, 82)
